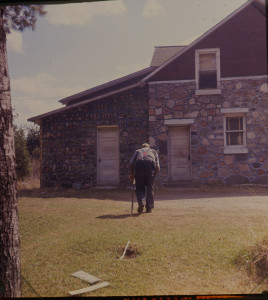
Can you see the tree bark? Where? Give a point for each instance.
(10, 280)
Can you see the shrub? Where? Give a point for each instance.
(255, 260)
(23, 162)
(33, 141)
(260, 259)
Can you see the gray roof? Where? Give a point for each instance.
(99, 92)
(110, 86)
(163, 53)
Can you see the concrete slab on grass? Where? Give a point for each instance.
(86, 277)
(89, 289)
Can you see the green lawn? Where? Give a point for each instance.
(187, 245)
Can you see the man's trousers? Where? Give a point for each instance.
(144, 177)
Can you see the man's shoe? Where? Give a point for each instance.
(140, 209)
(148, 210)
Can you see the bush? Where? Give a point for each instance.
(260, 259)
(255, 260)
(23, 162)
(33, 141)
(33, 146)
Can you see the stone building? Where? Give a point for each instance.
(89, 141)
(203, 107)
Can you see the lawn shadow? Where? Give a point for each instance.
(126, 194)
(124, 216)
(117, 194)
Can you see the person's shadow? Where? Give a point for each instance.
(117, 216)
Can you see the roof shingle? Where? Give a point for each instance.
(163, 53)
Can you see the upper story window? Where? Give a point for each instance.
(207, 71)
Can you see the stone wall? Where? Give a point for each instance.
(208, 162)
(69, 139)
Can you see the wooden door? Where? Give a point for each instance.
(179, 153)
(108, 156)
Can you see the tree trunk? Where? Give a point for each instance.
(10, 282)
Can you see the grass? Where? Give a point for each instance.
(255, 260)
(29, 184)
(189, 244)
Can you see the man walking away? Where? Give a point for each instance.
(144, 166)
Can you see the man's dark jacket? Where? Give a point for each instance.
(147, 154)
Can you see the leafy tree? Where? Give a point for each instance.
(20, 17)
(23, 162)
(33, 141)
(33, 146)
(11, 18)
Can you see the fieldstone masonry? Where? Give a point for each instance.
(208, 162)
(69, 139)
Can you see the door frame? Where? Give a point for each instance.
(99, 182)
(188, 126)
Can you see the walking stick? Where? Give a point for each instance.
(132, 197)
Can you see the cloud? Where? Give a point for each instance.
(43, 86)
(38, 94)
(27, 108)
(153, 8)
(82, 13)
(15, 42)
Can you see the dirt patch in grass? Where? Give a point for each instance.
(132, 252)
(128, 252)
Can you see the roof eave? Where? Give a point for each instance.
(37, 119)
(66, 100)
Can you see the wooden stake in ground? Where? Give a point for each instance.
(132, 197)
(124, 251)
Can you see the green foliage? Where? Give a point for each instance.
(27, 147)
(33, 141)
(23, 162)
(20, 17)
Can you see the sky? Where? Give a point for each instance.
(77, 46)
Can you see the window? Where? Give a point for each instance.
(207, 71)
(234, 130)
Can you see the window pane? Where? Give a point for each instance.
(234, 138)
(207, 61)
(234, 123)
(207, 80)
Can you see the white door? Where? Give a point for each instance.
(108, 156)
(179, 153)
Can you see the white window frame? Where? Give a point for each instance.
(233, 113)
(197, 67)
